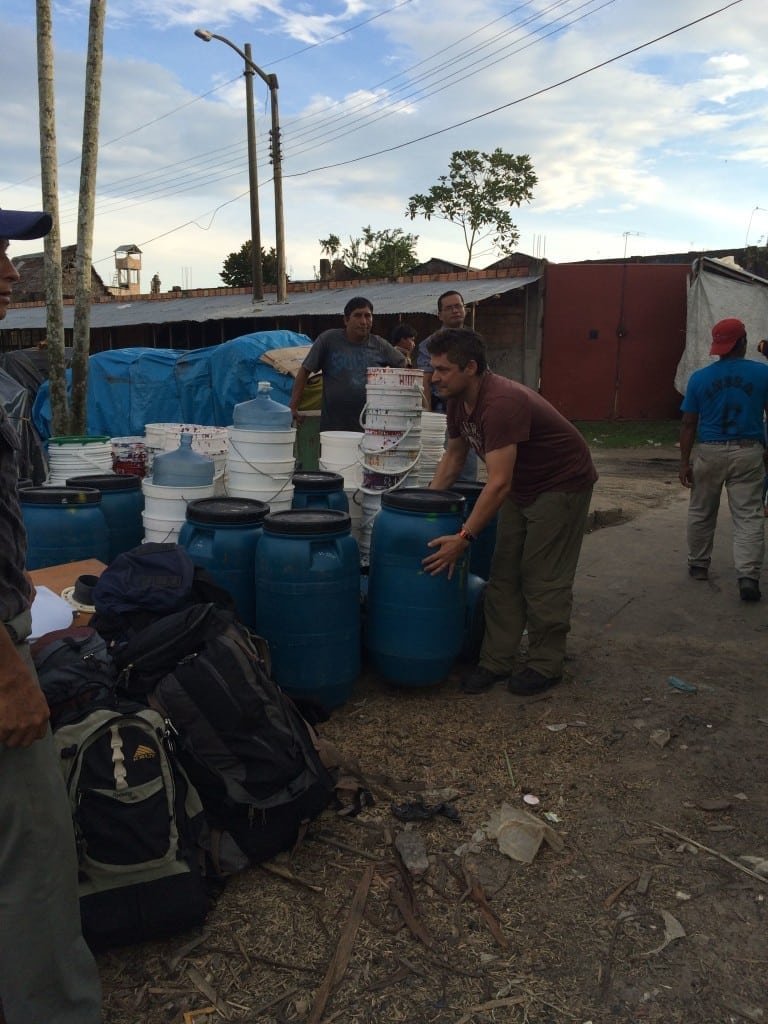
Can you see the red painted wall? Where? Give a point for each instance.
(612, 337)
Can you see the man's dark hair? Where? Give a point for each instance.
(358, 302)
(451, 291)
(402, 331)
(459, 344)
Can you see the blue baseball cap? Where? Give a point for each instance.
(18, 224)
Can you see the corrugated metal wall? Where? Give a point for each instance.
(612, 338)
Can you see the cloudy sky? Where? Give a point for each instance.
(645, 121)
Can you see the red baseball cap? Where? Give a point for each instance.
(725, 334)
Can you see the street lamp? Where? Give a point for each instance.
(277, 171)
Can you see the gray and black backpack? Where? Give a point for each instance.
(138, 822)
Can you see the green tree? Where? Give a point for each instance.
(477, 194)
(387, 253)
(236, 272)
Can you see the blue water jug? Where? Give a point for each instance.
(262, 412)
(308, 602)
(481, 551)
(63, 524)
(183, 467)
(221, 535)
(414, 621)
(319, 489)
(122, 502)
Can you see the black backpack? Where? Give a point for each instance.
(241, 740)
(139, 824)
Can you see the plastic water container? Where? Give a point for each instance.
(183, 467)
(122, 502)
(319, 489)
(262, 412)
(63, 524)
(308, 602)
(482, 548)
(414, 621)
(221, 535)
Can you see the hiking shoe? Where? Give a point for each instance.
(749, 590)
(698, 572)
(479, 679)
(528, 682)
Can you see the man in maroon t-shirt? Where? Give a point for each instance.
(540, 480)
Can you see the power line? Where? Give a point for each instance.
(521, 99)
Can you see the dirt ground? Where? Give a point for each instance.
(649, 766)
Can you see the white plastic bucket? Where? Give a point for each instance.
(355, 501)
(351, 471)
(257, 481)
(278, 498)
(394, 375)
(371, 506)
(77, 456)
(262, 467)
(257, 446)
(340, 453)
(171, 502)
(404, 420)
(393, 399)
(339, 445)
(161, 531)
(397, 460)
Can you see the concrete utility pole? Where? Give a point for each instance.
(50, 188)
(277, 163)
(85, 216)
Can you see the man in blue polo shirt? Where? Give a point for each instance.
(725, 403)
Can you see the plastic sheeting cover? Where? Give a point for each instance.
(130, 387)
(711, 297)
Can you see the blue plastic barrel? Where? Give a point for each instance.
(221, 534)
(319, 489)
(414, 621)
(122, 502)
(63, 524)
(474, 619)
(308, 602)
(481, 551)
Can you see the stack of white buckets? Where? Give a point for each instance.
(260, 465)
(386, 455)
(260, 461)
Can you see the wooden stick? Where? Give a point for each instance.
(708, 849)
(281, 872)
(340, 959)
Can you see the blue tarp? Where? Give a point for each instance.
(130, 387)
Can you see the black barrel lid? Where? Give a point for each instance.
(106, 481)
(227, 511)
(300, 522)
(60, 496)
(318, 480)
(422, 499)
(468, 488)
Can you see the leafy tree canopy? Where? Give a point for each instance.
(237, 267)
(387, 253)
(477, 193)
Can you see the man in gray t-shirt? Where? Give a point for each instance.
(343, 356)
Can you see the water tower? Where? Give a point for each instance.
(127, 280)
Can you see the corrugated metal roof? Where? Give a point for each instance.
(404, 298)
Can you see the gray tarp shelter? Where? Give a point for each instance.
(719, 290)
